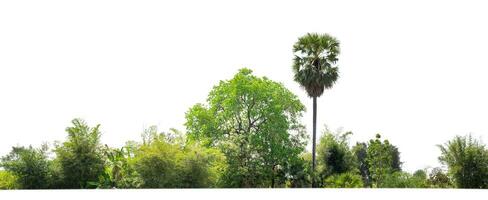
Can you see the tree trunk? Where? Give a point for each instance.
(313, 140)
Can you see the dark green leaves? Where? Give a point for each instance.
(314, 62)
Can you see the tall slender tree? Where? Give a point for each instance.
(315, 70)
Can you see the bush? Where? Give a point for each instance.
(439, 179)
(168, 161)
(405, 180)
(8, 181)
(29, 165)
(344, 180)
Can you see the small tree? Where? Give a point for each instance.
(467, 161)
(81, 156)
(29, 165)
(383, 159)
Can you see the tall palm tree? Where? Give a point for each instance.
(315, 70)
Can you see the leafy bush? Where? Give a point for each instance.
(29, 165)
(118, 172)
(167, 161)
(344, 180)
(439, 179)
(8, 181)
(334, 154)
(405, 180)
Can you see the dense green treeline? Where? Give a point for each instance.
(247, 134)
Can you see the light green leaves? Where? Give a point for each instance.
(255, 123)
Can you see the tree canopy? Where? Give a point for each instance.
(467, 160)
(255, 123)
(81, 156)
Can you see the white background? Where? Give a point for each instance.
(414, 71)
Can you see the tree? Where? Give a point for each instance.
(81, 156)
(382, 159)
(300, 171)
(315, 70)
(334, 154)
(29, 165)
(467, 161)
(255, 122)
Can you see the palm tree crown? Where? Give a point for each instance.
(314, 62)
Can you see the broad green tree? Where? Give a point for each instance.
(315, 69)
(29, 165)
(255, 123)
(467, 161)
(81, 156)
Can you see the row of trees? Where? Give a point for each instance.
(247, 134)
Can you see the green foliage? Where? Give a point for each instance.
(8, 181)
(300, 172)
(419, 179)
(344, 180)
(81, 156)
(119, 172)
(395, 180)
(29, 165)
(439, 179)
(400, 179)
(314, 63)
(467, 160)
(383, 159)
(334, 154)
(255, 123)
(201, 167)
(167, 161)
(360, 151)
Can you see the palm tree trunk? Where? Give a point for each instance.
(314, 138)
